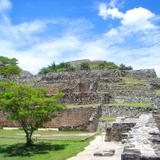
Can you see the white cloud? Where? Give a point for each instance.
(106, 12)
(138, 17)
(5, 5)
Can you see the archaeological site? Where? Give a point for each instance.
(124, 105)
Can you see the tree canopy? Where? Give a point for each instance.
(62, 67)
(28, 105)
(85, 66)
(8, 66)
(124, 67)
(67, 67)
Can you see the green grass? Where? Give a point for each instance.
(53, 135)
(107, 118)
(157, 90)
(14, 149)
(19, 131)
(131, 104)
(130, 80)
(103, 92)
(83, 106)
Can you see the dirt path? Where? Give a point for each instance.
(99, 145)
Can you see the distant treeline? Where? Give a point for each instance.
(68, 67)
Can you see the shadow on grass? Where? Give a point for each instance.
(23, 150)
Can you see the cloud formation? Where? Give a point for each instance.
(107, 12)
(5, 5)
(136, 41)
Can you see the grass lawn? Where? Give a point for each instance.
(14, 149)
(51, 135)
(19, 131)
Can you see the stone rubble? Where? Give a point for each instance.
(139, 143)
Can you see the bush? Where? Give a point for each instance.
(84, 66)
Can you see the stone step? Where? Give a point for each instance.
(139, 144)
(118, 99)
(138, 89)
(132, 93)
(123, 84)
(126, 109)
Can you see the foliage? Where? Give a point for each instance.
(62, 67)
(107, 65)
(84, 66)
(28, 105)
(8, 66)
(124, 67)
(67, 67)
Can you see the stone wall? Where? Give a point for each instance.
(106, 75)
(141, 74)
(82, 98)
(124, 111)
(120, 127)
(69, 119)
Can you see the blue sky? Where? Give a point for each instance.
(38, 32)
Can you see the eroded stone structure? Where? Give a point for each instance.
(96, 87)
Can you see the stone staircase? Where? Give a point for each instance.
(132, 90)
(128, 97)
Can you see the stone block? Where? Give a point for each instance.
(131, 154)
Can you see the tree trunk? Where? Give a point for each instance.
(29, 139)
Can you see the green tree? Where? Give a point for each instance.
(62, 67)
(111, 65)
(8, 66)
(65, 67)
(101, 66)
(28, 105)
(84, 66)
(124, 67)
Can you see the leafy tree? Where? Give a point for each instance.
(65, 67)
(28, 105)
(111, 65)
(84, 66)
(101, 66)
(124, 67)
(50, 68)
(8, 67)
(62, 67)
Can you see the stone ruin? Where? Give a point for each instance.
(129, 95)
(140, 137)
